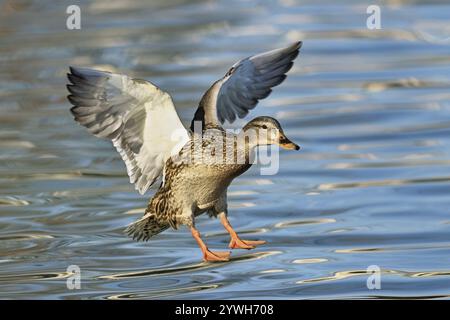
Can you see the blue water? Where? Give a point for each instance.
(371, 109)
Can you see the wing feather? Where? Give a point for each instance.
(138, 117)
(248, 81)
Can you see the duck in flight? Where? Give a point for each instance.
(141, 121)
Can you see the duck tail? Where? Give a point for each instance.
(145, 228)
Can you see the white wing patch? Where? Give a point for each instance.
(137, 116)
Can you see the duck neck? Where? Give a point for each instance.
(247, 142)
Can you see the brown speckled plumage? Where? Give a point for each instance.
(206, 184)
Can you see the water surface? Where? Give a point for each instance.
(371, 109)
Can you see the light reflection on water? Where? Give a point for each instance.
(370, 186)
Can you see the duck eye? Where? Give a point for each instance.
(264, 126)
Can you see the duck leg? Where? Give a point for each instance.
(207, 254)
(236, 242)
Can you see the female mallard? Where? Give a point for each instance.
(195, 166)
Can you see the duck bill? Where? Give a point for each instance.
(287, 144)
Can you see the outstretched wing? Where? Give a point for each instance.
(137, 116)
(247, 82)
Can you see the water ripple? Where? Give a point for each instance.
(370, 186)
(161, 292)
(392, 182)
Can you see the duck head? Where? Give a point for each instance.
(267, 131)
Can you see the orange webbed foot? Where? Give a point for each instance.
(216, 256)
(237, 243)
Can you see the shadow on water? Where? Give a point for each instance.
(189, 268)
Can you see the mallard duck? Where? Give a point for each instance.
(141, 121)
